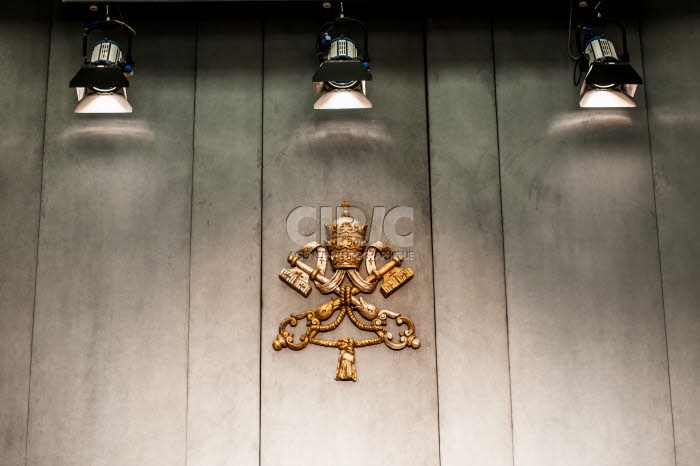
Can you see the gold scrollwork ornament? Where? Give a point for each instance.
(347, 251)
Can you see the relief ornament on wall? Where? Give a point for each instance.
(347, 251)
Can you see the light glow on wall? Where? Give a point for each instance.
(575, 121)
(122, 129)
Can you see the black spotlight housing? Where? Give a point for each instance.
(608, 78)
(102, 79)
(343, 65)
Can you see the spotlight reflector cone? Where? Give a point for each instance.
(335, 99)
(104, 102)
(606, 98)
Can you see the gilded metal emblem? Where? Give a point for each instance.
(348, 250)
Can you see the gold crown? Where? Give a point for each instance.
(347, 241)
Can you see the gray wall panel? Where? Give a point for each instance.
(113, 357)
(669, 39)
(24, 46)
(587, 344)
(371, 158)
(475, 423)
(224, 379)
(110, 347)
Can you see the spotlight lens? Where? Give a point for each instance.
(342, 84)
(97, 89)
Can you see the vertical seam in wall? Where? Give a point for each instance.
(432, 237)
(262, 155)
(503, 236)
(38, 234)
(189, 278)
(658, 243)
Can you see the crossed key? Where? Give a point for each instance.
(298, 277)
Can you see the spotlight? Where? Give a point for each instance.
(341, 79)
(609, 81)
(102, 80)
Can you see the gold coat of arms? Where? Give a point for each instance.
(347, 248)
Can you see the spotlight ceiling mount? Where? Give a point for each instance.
(608, 78)
(343, 65)
(102, 79)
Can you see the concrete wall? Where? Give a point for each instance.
(24, 48)
(555, 249)
(110, 348)
(224, 356)
(470, 307)
(369, 159)
(673, 94)
(586, 325)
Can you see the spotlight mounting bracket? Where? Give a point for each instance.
(348, 68)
